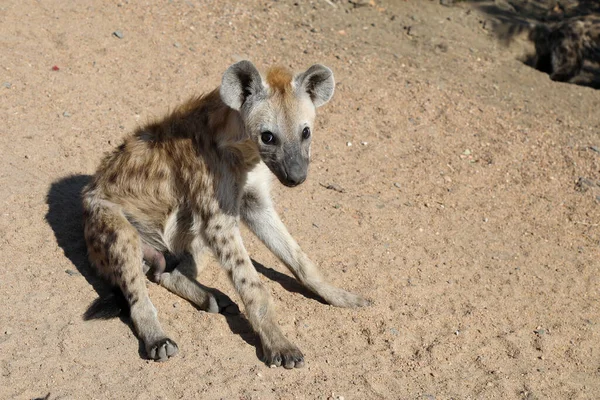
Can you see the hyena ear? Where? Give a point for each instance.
(318, 82)
(240, 81)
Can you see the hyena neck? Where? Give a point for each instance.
(213, 127)
(224, 128)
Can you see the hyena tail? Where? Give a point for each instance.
(109, 306)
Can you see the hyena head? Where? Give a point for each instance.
(279, 113)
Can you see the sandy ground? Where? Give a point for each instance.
(469, 213)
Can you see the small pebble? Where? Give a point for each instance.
(66, 114)
(397, 185)
(7, 85)
(593, 148)
(364, 143)
(176, 44)
(71, 272)
(349, 144)
(118, 34)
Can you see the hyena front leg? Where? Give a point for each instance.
(115, 250)
(259, 214)
(223, 237)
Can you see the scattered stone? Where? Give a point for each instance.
(364, 143)
(397, 185)
(394, 331)
(349, 144)
(71, 272)
(593, 148)
(583, 184)
(360, 3)
(176, 44)
(7, 85)
(333, 186)
(412, 31)
(488, 24)
(446, 3)
(66, 114)
(540, 332)
(443, 47)
(118, 34)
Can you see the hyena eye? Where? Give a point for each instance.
(306, 133)
(267, 138)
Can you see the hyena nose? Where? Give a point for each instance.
(296, 174)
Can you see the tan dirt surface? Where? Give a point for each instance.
(469, 213)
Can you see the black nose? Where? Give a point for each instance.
(295, 174)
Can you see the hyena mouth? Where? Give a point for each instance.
(289, 177)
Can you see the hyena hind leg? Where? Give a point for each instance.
(115, 249)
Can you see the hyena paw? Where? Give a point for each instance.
(211, 306)
(341, 298)
(162, 349)
(288, 357)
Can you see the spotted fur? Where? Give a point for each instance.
(181, 186)
(563, 47)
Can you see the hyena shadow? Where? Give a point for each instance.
(65, 217)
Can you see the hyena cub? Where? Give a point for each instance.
(181, 186)
(561, 48)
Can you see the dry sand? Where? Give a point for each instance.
(469, 213)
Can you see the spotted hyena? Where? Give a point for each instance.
(182, 185)
(563, 47)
